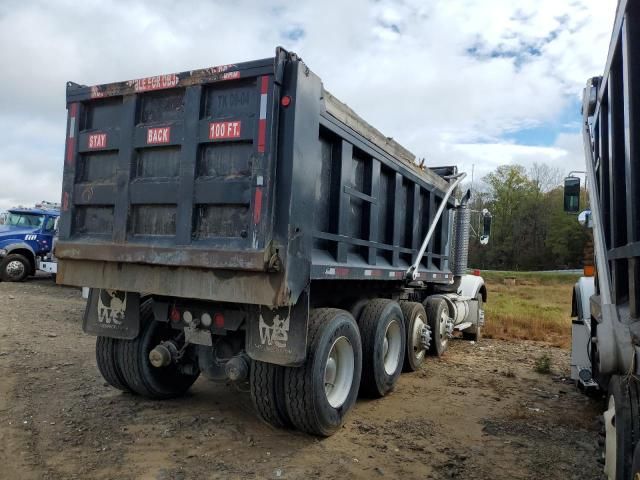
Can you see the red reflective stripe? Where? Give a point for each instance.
(65, 201)
(342, 272)
(257, 205)
(265, 84)
(262, 135)
(73, 111)
(70, 150)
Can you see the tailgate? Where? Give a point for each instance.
(172, 170)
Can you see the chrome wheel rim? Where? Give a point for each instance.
(338, 372)
(444, 318)
(416, 338)
(611, 439)
(391, 347)
(15, 269)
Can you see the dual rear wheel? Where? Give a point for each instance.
(125, 365)
(344, 358)
(315, 397)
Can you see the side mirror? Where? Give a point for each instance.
(572, 194)
(486, 227)
(584, 219)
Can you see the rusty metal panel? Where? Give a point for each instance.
(153, 220)
(256, 288)
(159, 254)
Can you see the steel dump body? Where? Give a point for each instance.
(205, 185)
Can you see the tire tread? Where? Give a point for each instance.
(267, 393)
(107, 362)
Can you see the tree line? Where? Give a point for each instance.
(530, 230)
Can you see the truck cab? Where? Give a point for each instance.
(25, 237)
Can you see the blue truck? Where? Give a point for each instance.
(26, 240)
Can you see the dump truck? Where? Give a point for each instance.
(242, 223)
(606, 306)
(26, 240)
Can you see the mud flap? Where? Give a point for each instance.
(279, 335)
(112, 313)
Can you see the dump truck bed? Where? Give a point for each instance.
(239, 183)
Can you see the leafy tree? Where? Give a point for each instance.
(530, 230)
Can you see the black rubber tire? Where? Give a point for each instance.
(106, 359)
(307, 404)
(439, 342)
(267, 393)
(138, 373)
(635, 464)
(626, 394)
(411, 311)
(373, 323)
(474, 332)
(11, 258)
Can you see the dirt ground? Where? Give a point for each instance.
(480, 412)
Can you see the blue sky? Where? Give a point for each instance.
(465, 82)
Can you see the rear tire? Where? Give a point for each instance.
(267, 393)
(475, 332)
(320, 393)
(622, 426)
(383, 345)
(107, 363)
(415, 319)
(14, 268)
(437, 314)
(133, 358)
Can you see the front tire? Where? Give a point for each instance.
(383, 346)
(635, 466)
(14, 268)
(622, 427)
(320, 393)
(137, 371)
(475, 331)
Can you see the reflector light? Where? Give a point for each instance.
(218, 320)
(174, 315)
(285, 101)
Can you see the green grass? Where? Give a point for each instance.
(537, 307)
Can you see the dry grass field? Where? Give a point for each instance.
(537, 307)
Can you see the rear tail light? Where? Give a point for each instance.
(174, 315)
(218, 319)
(285, 101)
(476, 272)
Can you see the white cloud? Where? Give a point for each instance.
(404, 65)
(566, 155)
